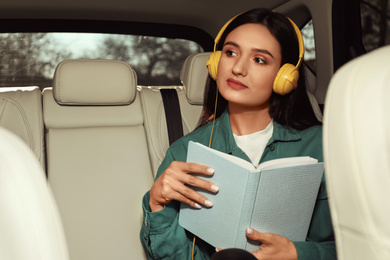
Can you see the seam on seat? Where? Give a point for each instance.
(2, 109)
(160, 128)
(25, 120)
(59, 87)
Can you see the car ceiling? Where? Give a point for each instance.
(207, 15)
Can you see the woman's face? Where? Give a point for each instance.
(250, 60)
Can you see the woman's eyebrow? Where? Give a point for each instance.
(254, 49)
(232, 43)
(263, 51)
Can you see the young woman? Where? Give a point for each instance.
(250, 121)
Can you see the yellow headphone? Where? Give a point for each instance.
(287, 77)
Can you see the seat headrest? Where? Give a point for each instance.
(94, 82)
(194, 76)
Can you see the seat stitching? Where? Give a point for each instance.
(25, 120)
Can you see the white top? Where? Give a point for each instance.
(254, 144)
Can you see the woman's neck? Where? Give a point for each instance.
(244, 120)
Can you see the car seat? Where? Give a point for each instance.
(357, 156)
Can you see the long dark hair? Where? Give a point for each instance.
(292, 110)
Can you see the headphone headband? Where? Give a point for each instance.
(221, 31)
(300, 43)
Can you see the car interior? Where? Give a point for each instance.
(82, 136)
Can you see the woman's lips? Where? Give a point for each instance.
(235, 84)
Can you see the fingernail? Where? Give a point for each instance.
(197, 206)
(210, 170)
(214, 187)
(249, 231)
(208, 203)
(217, 249)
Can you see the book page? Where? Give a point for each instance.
(286, 162)
(276, 163)
(285, 201)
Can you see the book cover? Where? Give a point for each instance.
(276, 197)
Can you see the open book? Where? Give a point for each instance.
(276, 197)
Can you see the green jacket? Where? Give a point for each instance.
(162, 236)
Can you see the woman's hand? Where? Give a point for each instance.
(172, 185)
(272, 246)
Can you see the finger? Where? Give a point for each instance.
(179, 171)
(186, 200)
(173, 185)
(256, 235)
(193, 168)
(196, 168)
(184, 193)
(200, 183)
(265, 238)
(190, 179)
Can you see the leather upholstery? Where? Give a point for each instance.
(98, 166)
(30, 223)
(357, 156)
(156, 125)
(21, 113)
(94, 82)
(194, 75)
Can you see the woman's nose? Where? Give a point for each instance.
(240, 67)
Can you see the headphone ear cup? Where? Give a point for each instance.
(212, 64)
(286, 80)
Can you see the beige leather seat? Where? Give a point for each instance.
(193, 76)
(21, 113)
(357, 156)
(97, 157)
(29, 221)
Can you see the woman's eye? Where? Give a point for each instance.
(259, 60)
(231, 53)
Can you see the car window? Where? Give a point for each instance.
(30, 58)
(375, 18)
(310, 49)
